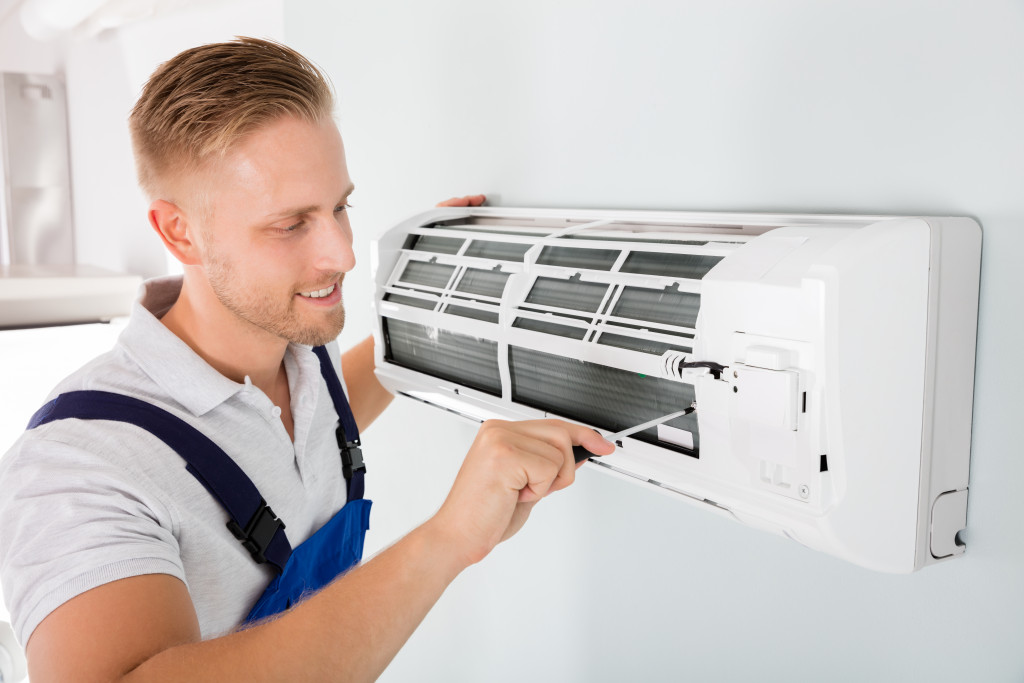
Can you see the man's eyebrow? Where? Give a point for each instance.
(312, 208)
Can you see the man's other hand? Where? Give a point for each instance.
(509, 468)
(468, 200)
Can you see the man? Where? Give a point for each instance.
(116, 561)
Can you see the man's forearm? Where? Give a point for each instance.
(349, 631)
(367, 396)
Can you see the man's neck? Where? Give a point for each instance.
(233, 347)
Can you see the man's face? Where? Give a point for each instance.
(278, 242)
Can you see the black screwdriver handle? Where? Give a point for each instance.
(581, 453)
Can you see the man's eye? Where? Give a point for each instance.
(341, 207)
(293, 228)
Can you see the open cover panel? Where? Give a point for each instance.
(839, 353)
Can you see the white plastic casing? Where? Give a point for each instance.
(843, 419)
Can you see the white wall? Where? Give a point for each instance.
(908, 107)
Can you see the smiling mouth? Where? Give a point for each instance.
(319, 293)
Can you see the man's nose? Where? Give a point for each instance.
(333, 245)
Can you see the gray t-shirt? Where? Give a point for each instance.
(83, 503)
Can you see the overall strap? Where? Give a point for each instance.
(252, 520)
(347, 433)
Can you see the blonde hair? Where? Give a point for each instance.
(199, 104)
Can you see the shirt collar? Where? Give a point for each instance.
(169, 361)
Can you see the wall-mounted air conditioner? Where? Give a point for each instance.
(829, 359)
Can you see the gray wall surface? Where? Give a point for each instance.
(906, 107)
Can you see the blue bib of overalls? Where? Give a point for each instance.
(333, 549)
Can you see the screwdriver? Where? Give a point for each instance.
(580, 453)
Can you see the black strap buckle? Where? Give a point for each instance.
(258, 533)
(351, 454)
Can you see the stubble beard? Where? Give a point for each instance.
(259, 308)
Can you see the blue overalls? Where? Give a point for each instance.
(333, 549)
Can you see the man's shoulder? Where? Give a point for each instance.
(113, 370)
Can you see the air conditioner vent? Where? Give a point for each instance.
(434, 275)
(448, 355)
(689, 266)
(569, 257)
(668, 306)
(571, 294)
(424, 301)
(607, 398)
(438, 245)
(550, 328)
(501, 251)
(639, 343)
(484, 282)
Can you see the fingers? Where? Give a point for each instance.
(530, 462)
(468, 200)
(567, 434)
(553, 440)
(509, 467)
(519, 517)
(592, 441)
(541, 468)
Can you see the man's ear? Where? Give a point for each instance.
(174, 228)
